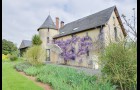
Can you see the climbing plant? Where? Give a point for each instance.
(69, 47)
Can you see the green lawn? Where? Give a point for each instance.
(12, 80)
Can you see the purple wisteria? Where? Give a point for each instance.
(69, 47)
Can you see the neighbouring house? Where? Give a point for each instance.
(78, 43)
(25, 44)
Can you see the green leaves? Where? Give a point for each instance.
(36, 40)
(8, 47)
(64, 78)
(35, 55)
(120, 64)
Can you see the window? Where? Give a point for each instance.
(100, 36)
(115, 32)
(48, 54)
(114, 21)
(87, 33)
(48, 29)
(54, 40)
(72, 35)
(87, 52)
(47, 39)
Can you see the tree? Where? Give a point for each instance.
(132, 30)
(8, 47)
(36, 40)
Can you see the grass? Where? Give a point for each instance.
(64, 78)
(12, 80)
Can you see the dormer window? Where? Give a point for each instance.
(75, 29)
(62, 32)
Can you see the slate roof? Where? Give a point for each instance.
(48, 24)
(25, 43)
(88, 22)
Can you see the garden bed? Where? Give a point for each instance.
(64, 78)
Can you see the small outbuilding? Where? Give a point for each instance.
(24, 45)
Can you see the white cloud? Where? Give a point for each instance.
(21, 18)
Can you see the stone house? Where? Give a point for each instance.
(104, 26)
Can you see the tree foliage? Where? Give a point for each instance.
(8, 47)
(36, 40)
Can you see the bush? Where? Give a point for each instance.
(22, 66)
(119, 63)
(5, 57)
(13, 57)
(35, 55)
(32, 71)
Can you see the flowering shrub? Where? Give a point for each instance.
(5, 57)
(69, 50)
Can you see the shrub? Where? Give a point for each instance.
(62, 78)
(35, 55)
(13, 57)
(120, 64)
(22, 66)
(32, 71)
(5, 57)
(71, 80)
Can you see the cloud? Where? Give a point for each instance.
(22, 18)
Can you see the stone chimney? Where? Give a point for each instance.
(62, 24)
(57, 23)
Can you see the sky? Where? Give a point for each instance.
(22, 18)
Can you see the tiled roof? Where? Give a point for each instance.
(25, 43)
(88, 22)
(48, 24)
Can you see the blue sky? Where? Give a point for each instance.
(22, 18)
